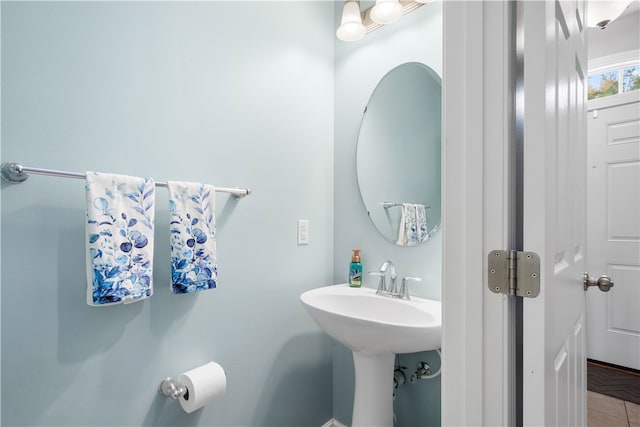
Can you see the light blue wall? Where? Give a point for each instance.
(358, 68)
(228, 93)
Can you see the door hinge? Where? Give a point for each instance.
(514, 273)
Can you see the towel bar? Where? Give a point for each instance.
(17, 172)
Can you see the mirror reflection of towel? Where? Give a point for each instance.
(421, 223)
(413, 225)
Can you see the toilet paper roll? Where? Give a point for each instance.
(204, 384)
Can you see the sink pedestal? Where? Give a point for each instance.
(373, 397)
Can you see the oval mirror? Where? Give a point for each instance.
(398, 154)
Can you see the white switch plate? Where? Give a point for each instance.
(303, 231)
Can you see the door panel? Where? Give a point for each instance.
(623, 201)
(623, 316)
(614, 228)
(554, 225)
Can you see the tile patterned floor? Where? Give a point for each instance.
(605, 411)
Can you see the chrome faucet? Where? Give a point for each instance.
(382, 284)
(404, 288)
(392, 291)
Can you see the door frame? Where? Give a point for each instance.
(478, 334)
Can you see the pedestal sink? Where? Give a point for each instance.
(375, 328)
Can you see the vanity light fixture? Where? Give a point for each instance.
(354, 24)
(386, 11)
(601, 12)
(351, 28)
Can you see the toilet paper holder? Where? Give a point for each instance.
(172, 388)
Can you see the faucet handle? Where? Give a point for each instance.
(404, 288)
(382, 284)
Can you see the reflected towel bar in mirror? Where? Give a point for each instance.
(388, 205)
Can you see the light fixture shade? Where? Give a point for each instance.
(423, 1)
(386, 11)
(351, 27)
(601, 12)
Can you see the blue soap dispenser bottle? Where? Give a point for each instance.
(355, 270)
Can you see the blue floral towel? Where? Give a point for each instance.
(421, 223)
(120, 216)
(193, 237)
(413, 225)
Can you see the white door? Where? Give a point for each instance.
(613, 244)
(554, 223)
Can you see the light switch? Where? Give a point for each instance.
(303, 232)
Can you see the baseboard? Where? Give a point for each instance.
(333, 423)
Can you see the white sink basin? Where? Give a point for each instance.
(373, 324)
(375, 328)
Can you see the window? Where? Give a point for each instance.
(631, 79)
(603, 84)
(612, 82)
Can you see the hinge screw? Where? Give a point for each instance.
(528, 292)
(497, 288)
(534, 275)
(493, 271)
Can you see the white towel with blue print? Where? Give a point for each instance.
(120, 218)
(413, 225)
(193, 237)
(406, 230)
(422, 233)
